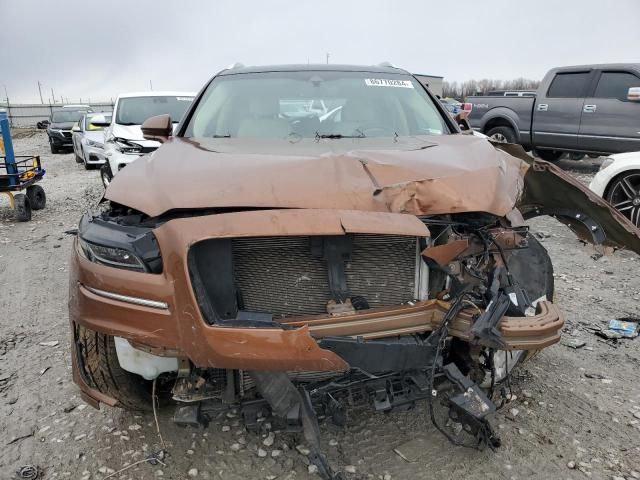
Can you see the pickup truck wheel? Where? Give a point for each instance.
(624, 195)
(101, 368)
(502, 135)
(549, 155)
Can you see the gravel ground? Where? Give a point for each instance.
(577, 411)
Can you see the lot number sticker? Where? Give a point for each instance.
(385, 82)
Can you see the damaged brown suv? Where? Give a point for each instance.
(312, 231)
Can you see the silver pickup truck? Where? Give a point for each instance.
(593, 109)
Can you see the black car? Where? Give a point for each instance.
(59, 129)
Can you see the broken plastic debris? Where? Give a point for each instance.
(627, 328)
(413, 450)
(574, 343)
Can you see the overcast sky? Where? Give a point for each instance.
(96, 49)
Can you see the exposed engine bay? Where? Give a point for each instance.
(441, 319)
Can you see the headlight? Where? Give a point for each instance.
(116, 257)
(607, 162)
(93, 143)
(125, 146)
(102, 240)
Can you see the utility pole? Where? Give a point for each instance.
(6, 95)
(53, 97)
(40, 90)
(328, 54)
(150, 85)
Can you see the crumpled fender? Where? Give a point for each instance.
(548, 190)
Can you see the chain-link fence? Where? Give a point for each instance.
(22, 115)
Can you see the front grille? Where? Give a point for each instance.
(66, 134)
(279, 275)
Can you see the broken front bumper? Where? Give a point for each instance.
(160, 314)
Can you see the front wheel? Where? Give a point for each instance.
(101, 368)
(549, 155)
(502, 135)
(54, 149)
(105, 175)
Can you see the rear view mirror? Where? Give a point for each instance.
(157, 128)
(99, 121)
(634, 94)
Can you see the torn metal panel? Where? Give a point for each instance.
(524, 333)
(293, 222)
(463, 247)
(548, 189)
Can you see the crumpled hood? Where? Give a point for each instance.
(128, 132)
(427, 175)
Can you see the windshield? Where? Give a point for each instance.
(328, 104)
(65, 116)
(135, 110)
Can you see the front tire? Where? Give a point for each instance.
(99, 362)
(502, 135)
(54, 149)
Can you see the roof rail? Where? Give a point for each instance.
(235, 65)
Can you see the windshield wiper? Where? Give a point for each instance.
(128, 124)
(337, 135)
(221, 136)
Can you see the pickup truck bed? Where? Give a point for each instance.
(592, 109)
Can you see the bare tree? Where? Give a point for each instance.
(485, 85)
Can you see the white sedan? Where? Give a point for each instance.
(88, 141)
(618, 182)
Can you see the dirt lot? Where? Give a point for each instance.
(575, 408)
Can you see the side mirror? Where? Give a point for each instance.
(99, 121)
(158, 128)
(75, 128)
(462, 121)
(633, 95)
